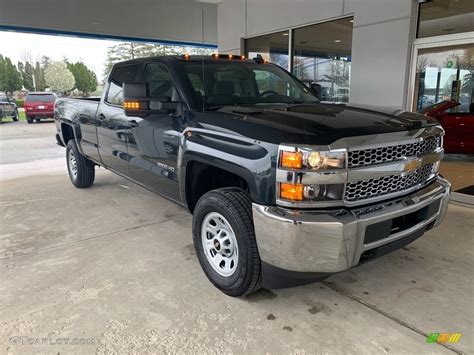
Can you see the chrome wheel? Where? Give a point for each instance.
(219, 244)
(72, 164)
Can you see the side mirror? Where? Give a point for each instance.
(138, 102)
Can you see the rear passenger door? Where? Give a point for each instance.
(113, 127)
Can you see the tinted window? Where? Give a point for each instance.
(40, 98)
(122, 74)
(159, 79)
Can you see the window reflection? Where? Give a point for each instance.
(322, 58)
(444, 17)
(445, 74)
(272, 47)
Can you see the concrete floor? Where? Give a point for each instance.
(115, 264)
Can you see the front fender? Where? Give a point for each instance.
(252, 160)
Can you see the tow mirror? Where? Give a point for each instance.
(138, 102)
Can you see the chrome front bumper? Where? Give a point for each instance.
(328, 241)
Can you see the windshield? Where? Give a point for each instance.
(40, 98)
(3, 97)
(243, 83)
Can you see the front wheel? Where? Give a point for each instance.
(81, 170)
(15, 116)
(224, 240)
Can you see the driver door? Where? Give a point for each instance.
(153, 142)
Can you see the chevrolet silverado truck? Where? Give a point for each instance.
(8, 108)
(283, 190)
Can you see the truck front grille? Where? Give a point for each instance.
(365, 189)
(382, 155)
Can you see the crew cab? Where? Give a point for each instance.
(283, 190)
(459, 125)
(8, 108)
(39, 105)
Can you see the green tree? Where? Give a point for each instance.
(131, 50)
(59, 78)
(39, 77)
(10, 77)
(27, 76)
(45, 62)
(86, 80)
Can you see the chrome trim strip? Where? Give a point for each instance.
(312, 177)
(386, 139)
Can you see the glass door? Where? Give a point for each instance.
(442, 74)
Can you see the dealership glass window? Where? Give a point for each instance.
(272, 47)
(322, 58)
(445, 73)
(443, 17)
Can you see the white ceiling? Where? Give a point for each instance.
(171, 20)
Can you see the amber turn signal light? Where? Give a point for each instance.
(131, 105)
(292, 160)
(292, 192)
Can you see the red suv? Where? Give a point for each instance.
(39, 105)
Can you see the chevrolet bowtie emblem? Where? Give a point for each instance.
(411, 165)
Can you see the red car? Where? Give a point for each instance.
(459, 126)
(39, 105)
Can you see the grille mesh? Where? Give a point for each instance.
(359, 190)
(397, 152)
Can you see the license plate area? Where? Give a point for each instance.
(385, 229)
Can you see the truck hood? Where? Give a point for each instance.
(315, 124)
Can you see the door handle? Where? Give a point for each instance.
(101, 116)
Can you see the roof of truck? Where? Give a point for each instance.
(198, 58)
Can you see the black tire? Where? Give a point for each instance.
(85, 169)
(235, 206)
(38, 120)
(15, 116)
(29, 119)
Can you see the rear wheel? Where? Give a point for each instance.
(29, 119)
(224, 240)
(81, 170)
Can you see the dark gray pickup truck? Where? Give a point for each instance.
(8, 108)
(283, 190)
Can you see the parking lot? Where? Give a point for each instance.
(115, 265)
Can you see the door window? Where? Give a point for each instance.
(122, 74)
(159, 79)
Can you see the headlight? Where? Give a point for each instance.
(306, 175)
(311, 159)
